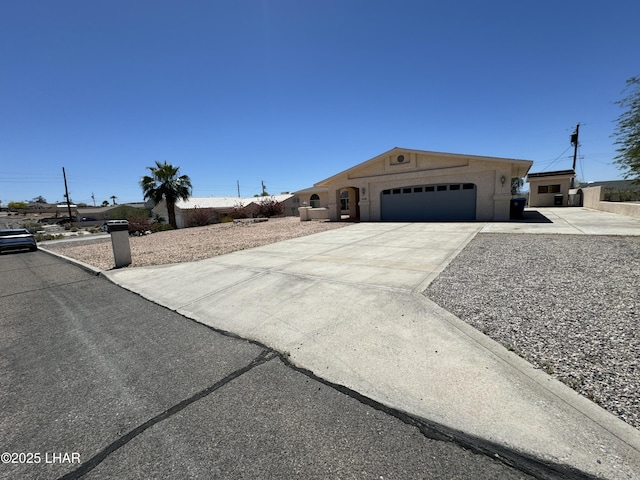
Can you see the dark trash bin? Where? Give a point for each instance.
(558, 200)
(516, 210)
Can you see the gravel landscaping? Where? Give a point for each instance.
(569, 304)
(190, 244)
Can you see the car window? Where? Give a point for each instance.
(17, 231)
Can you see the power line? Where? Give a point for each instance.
(555, 160)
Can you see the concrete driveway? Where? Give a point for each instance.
(346, 305)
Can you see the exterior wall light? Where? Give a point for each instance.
(503, 179)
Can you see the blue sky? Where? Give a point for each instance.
(290, 92)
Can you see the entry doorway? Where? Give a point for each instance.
(348, 201)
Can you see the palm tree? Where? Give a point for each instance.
(165, 184)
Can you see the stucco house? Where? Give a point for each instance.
(221, 206)
(547, 189)
(415, 185)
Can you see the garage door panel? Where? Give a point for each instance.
(423, 203)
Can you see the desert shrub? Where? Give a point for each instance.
(199, 217)
(17, 205)
(269, 207)
(227, 219)
(139, 222)
(239, 211)
(621, 195)
(32, 226)
(48, 236)
(160, 227)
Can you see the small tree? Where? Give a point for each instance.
(17, 205)
(628, 132)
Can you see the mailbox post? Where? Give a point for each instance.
(119, 230)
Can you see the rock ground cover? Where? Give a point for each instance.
(191, 244)
(568, 304)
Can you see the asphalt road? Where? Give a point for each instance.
(97, 382)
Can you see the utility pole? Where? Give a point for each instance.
(238, 181)
(574, 142)
(264, 189)
(93, 198)
(66, 194)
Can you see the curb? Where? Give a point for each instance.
(85, 266)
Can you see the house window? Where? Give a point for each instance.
(315, 201)
(549, 188)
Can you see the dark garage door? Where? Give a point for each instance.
(429, 203)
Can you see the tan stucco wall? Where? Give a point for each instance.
(593, 198)
(493, 197)
(306, 197)
(308, 213)
(547, 199)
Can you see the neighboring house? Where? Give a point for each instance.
(222, 206)
(547, 189)
(415, 185)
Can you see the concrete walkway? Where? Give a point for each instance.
(347, 305)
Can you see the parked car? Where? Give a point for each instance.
(17, 238)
